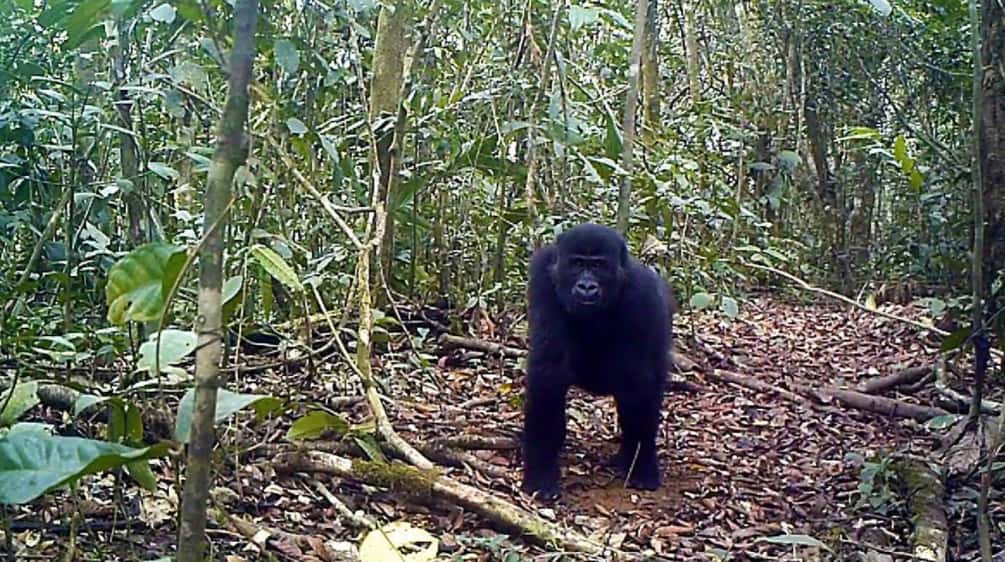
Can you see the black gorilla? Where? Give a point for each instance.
(599, 320)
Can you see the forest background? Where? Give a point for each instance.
(292, 174)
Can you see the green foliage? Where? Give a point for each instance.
(23, 397)
(139, 283)
(316, 424)
(32, 463)
(227, 404)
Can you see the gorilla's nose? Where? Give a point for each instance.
(587, 289)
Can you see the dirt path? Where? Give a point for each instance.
(739, 466)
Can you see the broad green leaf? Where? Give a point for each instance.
(135, 288)
(700, 301)
(287, 56)
(165, 13)
(23, 398)
(277, 267)
(789, 159)
(227, 403)
(801, 540)
(383, 544)
(163, 170)
(936, 306)
(900, 152)
(317, 423)
(296, 126)
(175, 346)
(581, 17)
(761, 166)
(32, 464)
(31, 428)
(916, 180)
(191, 74)
(730, 307)
(955, 340)
(882, 6)
(232, 288)
(140, 471)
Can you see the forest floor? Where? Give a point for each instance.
(739, 465)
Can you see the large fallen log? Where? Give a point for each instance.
(924, 489)
(419, 483)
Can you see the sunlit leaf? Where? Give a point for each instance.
(381, 545)
(277, 267)
(580, 16)
(730, 307)
(316, 424)
(23, 397)
(296, 126)
(135, 288)
(165, 13)
(175, 345)
(287, 56)
(227, 404)
(701, 301)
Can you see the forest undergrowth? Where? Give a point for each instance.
(743, 466)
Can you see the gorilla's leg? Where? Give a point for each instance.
(639, 417)
(543, 437)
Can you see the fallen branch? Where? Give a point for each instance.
(680, 361)
(429, 483)
(907, 376)
(879, 404)
(958, 398)
(924, 489)
(805, 395)
(452, 457)
(449, 341)
(477, 442)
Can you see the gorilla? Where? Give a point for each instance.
(601, 321)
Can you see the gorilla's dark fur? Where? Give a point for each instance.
(599, 320)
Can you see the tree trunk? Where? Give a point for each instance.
(231, 152)
(691, 51)
(992, 147)
(651, 76)
(386, 119)
(128, 151)
(631, 102)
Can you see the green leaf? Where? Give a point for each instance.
(613, 143)
(582, 17)
(789, 159)
(730, 307)
(942, 422)
(370, 447)
(916, 179)
(936, 306)
(296, 126)
(140, 471)
(287, 56)
(135, 288)
(227, 404)
(163, 170)
(86, 401)
(900, 152)
(32, 464)
(700, 301)
(83, 19)
(955, 340)
(277, 267)
(175, 346)
(317, 423)
(24, 397)
(802, 540)
(165, 13)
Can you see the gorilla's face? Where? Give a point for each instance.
(589, 269)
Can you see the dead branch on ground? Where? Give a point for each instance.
(924, 489)
(421, 483)
(903, 377)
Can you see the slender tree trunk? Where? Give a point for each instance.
(691, 52)
(631, 102)
(385, 102)
(231, 152)
(651, 76)
(128, 151)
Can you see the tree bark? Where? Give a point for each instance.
(386, 117)
(628, 126)
(231, 152)
(651, 76)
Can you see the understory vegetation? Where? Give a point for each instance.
(263, 271)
